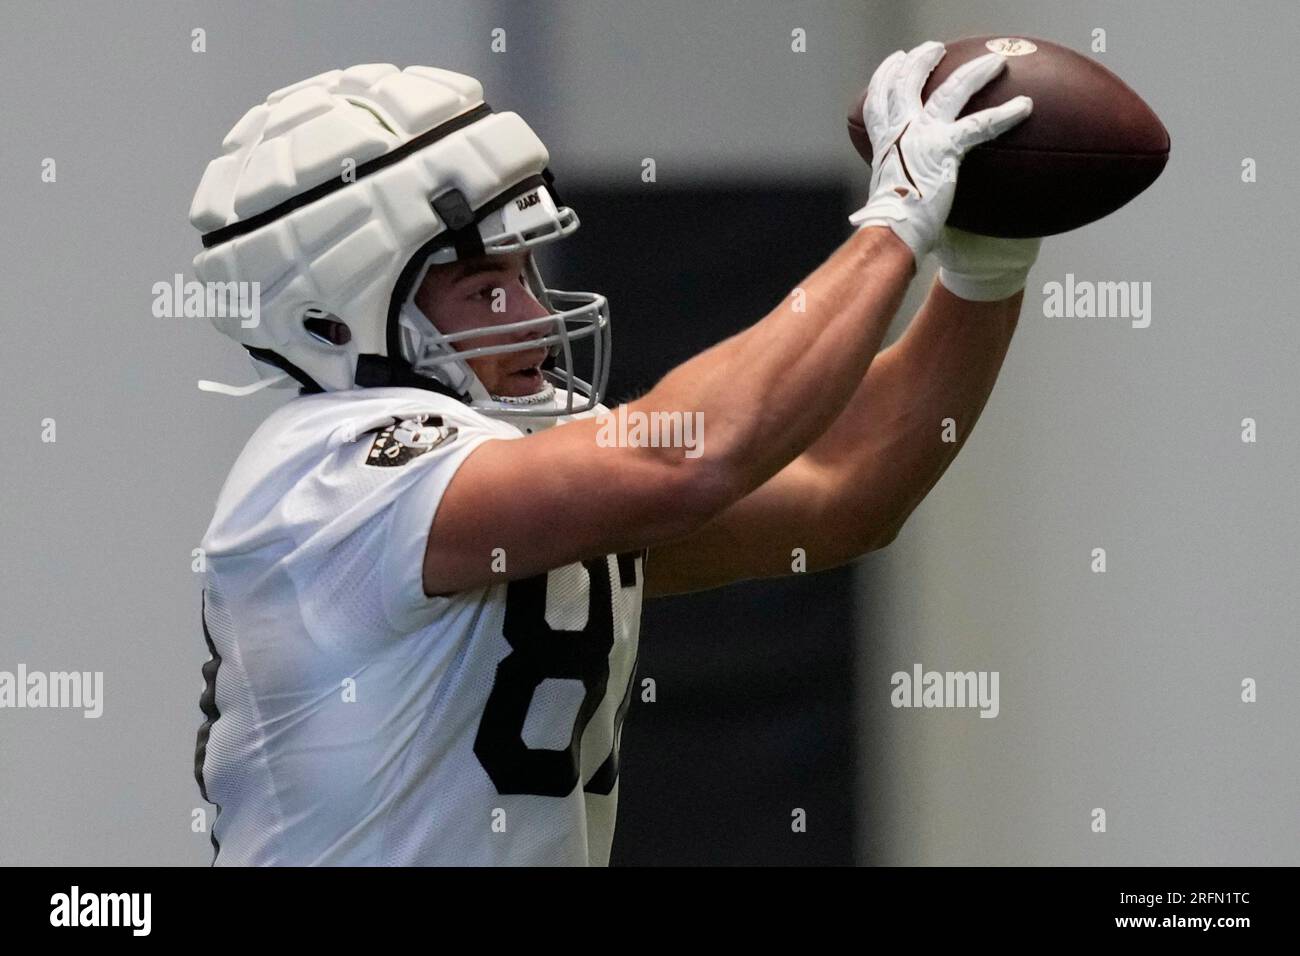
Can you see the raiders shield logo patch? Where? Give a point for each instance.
(407, 439)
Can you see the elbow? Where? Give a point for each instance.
(878, 526)
(889, 515)
(863, 540)
(885, 532)
(885, 538)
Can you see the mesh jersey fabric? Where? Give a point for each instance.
(352, 720)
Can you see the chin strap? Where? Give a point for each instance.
(547, 394)
(378, 371)
(373, 371)
(266, 357)
(239, 391)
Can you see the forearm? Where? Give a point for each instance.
(891, 445)
(873, 445)
(768, 392)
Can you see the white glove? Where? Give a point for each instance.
(915, 149)
(982, 268)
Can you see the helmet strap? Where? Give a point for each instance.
(383, 371)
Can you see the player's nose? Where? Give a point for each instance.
(525, 307)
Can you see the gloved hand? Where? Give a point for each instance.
(915, 149)
(982, 268)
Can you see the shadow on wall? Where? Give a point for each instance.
(752, 717)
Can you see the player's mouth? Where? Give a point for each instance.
(531, 375)
(530, 371)
(526, 379)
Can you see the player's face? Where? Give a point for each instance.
(481, 292)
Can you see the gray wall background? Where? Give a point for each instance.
(1118, 691)
(1121, 690)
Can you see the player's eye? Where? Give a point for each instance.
(485, 292)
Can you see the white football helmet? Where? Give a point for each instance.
(339, 192)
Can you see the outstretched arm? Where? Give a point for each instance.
(792, 369)
(765, 395)
(853, 488)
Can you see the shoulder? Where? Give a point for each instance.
(324, 420)
(323, 450)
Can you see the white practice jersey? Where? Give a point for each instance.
(352, 720)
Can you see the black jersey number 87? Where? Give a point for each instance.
(539, 652)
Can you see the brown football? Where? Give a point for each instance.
(1090, 145)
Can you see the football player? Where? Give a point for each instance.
(425, 572)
